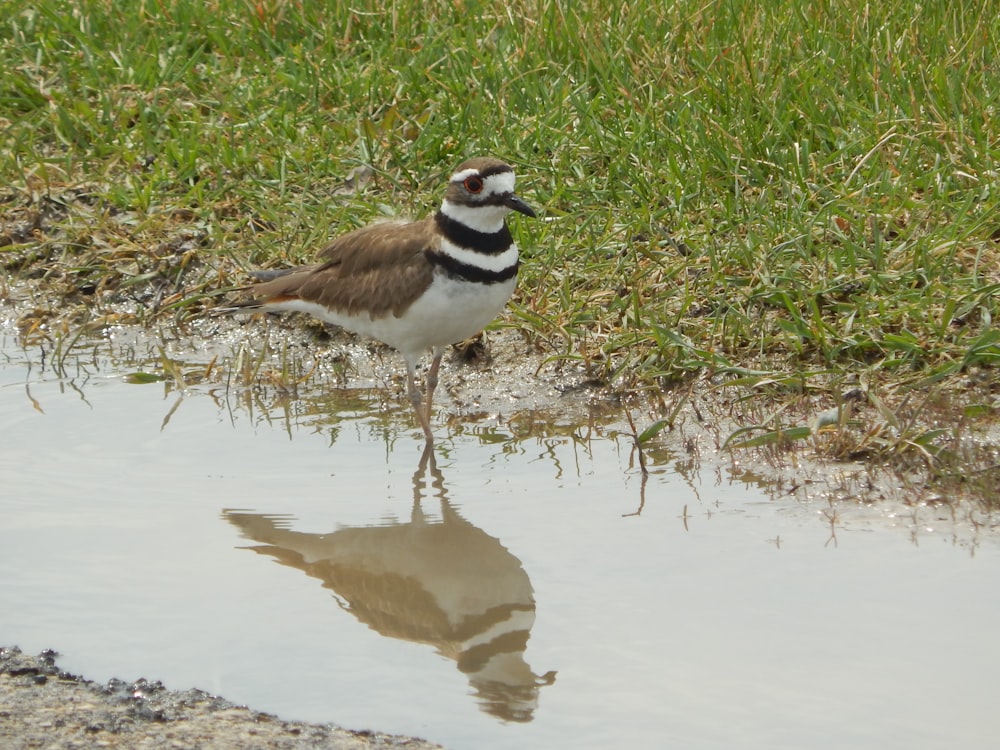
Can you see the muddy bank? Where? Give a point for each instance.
(42, 706)
(78, 269)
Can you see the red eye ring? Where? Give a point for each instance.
(473, 184)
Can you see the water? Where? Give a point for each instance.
(295, 554)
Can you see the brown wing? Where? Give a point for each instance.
(380, 268)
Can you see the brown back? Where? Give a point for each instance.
(381, 268)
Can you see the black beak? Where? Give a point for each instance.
(515, 203)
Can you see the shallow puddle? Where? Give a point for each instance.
(522, 588)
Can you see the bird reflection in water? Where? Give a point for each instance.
(446, 583)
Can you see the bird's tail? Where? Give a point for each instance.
(270, 274)
(248, 306)
(252, 305)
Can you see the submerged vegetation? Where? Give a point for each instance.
(798, 199)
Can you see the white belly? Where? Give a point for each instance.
(448, 312)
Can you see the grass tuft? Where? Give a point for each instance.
(753, 191)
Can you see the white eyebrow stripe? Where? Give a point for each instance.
(460, 176)
(504, 181)
(500, 183)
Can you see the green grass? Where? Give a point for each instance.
(783, 188)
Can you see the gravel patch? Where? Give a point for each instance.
(42, 706)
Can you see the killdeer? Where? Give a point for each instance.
(415, 286)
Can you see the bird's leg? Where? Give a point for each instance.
(417, 401)
(431, 380)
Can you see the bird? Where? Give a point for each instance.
(417, 286)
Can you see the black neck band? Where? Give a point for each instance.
(491, 243)
(470, 272)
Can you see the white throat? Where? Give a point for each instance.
(484, 218)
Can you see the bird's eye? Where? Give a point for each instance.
(473, 184)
